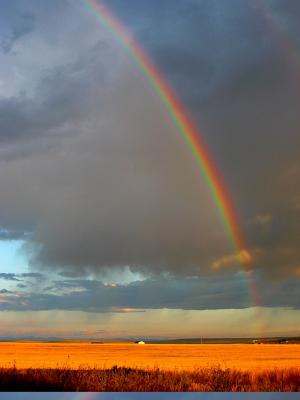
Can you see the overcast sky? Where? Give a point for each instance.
(107, 225)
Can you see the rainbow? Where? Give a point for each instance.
(183, 122)
(190, 135)
(285, 41)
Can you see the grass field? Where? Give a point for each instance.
(120, 379)
(74, 355)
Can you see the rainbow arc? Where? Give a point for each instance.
(190, 136)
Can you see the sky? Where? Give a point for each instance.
(108, 229)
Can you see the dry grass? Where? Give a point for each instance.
(151, 367)
(118, 379)
(73, 355)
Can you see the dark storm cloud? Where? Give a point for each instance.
(71, 192)
(235, 64)
(90, 160)
(187, 294)
(105, 183)
(205, 47)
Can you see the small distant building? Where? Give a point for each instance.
(283, 341)
(140, 342)
(255, 341)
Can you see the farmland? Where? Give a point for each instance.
(85, 366)
(74, 355)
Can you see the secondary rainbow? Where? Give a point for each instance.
(285, 41)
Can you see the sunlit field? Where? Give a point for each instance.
(245, 357)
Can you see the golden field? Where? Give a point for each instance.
(164, 356)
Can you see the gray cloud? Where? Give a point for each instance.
(8, 276)
(4, 291)
(35, 275)
(190, 294)
(117, 175)
(16, 277)
(7, 234)
(22, 25)
(21, 286)
(36, 126)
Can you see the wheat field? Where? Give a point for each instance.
(74, 355)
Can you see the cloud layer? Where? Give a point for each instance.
(36, 293)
